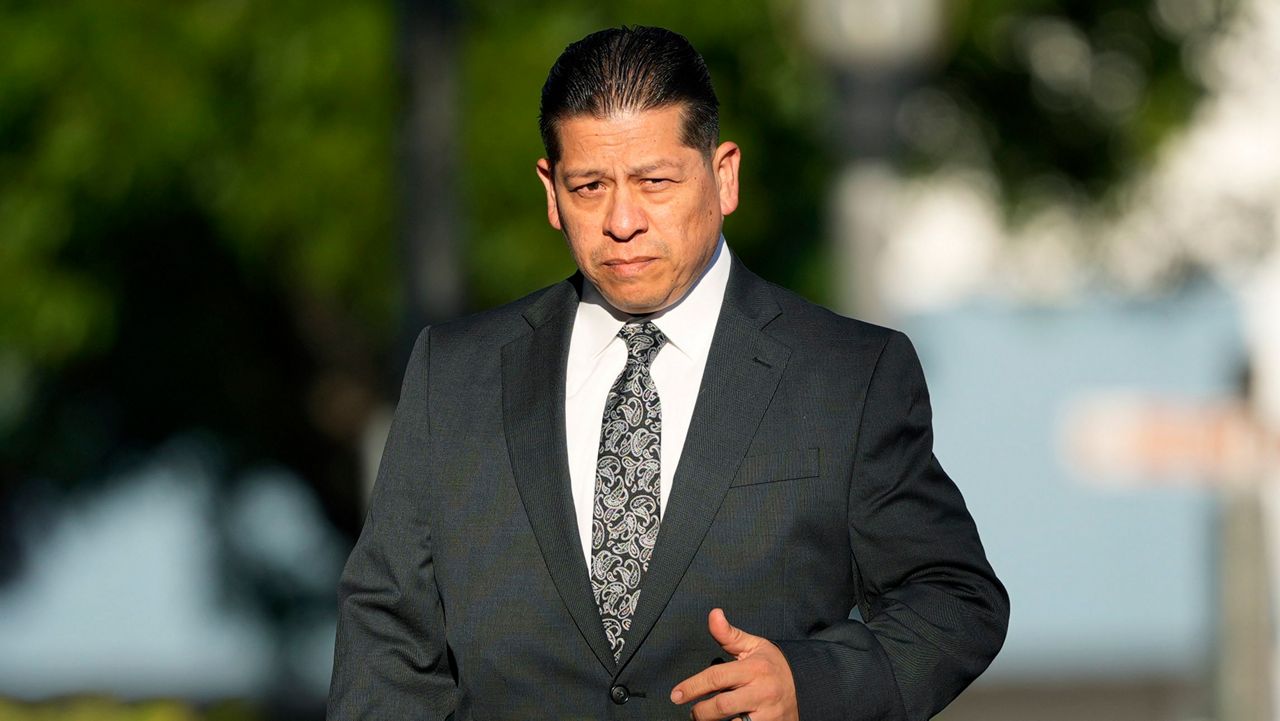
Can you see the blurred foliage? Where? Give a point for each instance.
(270, 122)
(196, 212)
(1059, 98)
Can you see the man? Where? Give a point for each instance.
(658, 489)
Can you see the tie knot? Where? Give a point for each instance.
(643, 340)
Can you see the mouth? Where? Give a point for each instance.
(630, 261)
(629, 266)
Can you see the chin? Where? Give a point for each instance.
(635, 305)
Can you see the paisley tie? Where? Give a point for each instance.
(625, 510)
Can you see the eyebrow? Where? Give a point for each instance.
(655, 165)
(637, 170)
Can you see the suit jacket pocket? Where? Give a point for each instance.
(781, 466)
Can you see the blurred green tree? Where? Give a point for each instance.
(195, 206)
(1058, 98)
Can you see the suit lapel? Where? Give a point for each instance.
(742, 373)
(533, 378)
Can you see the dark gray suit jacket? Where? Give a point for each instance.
(807, 484)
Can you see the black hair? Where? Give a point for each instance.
(626, 70)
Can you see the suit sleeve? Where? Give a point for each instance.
(390, 657)
(935, 614)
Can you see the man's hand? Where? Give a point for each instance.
(758, 683)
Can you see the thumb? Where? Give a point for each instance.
(732, 639)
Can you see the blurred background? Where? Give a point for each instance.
(223, 222)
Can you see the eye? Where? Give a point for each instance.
(656, 182)
(589, 188)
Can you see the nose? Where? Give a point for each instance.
(625, 217)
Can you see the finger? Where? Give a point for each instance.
(721, 677)
(731, 639)
(722, 706)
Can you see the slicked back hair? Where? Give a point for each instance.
(621, 70)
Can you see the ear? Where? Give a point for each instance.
(724, 162)
(548, 178)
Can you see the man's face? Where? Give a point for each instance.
(641, 210)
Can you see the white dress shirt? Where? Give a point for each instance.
(597, 355)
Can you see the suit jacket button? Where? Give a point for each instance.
(619, 694)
